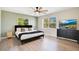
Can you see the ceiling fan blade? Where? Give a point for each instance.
(43, 10)
(40, 8)
(44, 13)
(34, 9)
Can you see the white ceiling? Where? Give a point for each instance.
(30, 11)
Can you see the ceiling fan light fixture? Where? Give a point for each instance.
(39, 10)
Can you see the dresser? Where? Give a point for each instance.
(68, 33)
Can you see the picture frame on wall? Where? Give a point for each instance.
(22, 21)
(68, 24)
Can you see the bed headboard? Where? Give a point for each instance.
(22, 26)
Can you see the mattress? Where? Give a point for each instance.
(27, 36)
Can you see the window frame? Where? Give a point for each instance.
(48, 22)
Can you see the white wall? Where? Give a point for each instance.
(0, 22)
(9, 21)
(66, 14)
(47, 31)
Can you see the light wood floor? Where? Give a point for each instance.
(47, 44)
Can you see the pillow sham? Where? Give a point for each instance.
(18, 29)
(24, 29)
(29, 29)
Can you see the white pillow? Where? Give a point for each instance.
(26, 29)
(18, 29)
(33, 29)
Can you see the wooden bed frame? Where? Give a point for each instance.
(30, 39)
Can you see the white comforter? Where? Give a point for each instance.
(26, 36)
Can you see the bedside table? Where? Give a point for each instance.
(9, 35)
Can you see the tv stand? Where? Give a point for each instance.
(68, 33)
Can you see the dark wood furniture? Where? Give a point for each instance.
(30, 39)
(68, 33)
(22, 26)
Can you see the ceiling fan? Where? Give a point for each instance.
(40, 10)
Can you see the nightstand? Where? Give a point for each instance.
(9, 35)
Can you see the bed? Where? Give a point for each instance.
(27, 33)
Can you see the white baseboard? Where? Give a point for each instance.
(3, 38)
(51, 35)
(67, 39)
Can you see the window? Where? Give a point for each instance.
(46, 23)
(50, 22)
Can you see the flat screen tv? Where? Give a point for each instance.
(68, 24)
